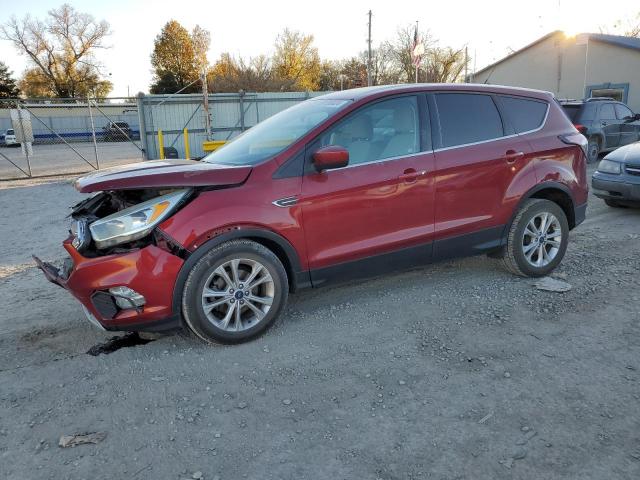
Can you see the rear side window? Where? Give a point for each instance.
(524, 114)
(607, 112)
(623, 112)
(467, 118)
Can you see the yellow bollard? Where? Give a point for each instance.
(161, 144)
(187, 154)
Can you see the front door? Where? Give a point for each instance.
(628, 125)
(377, 212)
(610, 125)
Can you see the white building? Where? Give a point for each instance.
(581, 66)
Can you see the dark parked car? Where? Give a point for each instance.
(617, 178)
(117, 132)
(351, 184)
(606, 123)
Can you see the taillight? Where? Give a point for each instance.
(575, 138)
(581, 128)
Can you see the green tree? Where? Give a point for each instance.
(61, 49)
(8, 87)
(175, 61)
(296, 59)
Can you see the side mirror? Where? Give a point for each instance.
(329, 157)
(632, 118)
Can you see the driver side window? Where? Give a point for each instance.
(386, 129)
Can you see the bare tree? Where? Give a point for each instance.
(443, 65)
(400, 51)
(61, 48)
(229, 74)
(201, 39)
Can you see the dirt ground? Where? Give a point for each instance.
(454, 371)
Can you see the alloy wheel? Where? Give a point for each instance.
(542, 239)
(238, 294)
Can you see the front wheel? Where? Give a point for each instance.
(537, 239)
(234, 292)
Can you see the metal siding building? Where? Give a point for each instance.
(583, 66)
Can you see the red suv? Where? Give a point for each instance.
(346, 185)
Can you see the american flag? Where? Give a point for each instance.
(418, 48)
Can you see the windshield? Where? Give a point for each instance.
(276, 133)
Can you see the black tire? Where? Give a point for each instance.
(514, 257)
(614, 204)
(593, 150)
(192, 303)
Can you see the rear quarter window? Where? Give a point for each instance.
(524, 114)
(467, 118)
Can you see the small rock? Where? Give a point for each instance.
(507, 375)
(286, 401)
(549, 284)
(197, 475)
(157, 379)
(242, 405)
(519, 454)
(402, 382)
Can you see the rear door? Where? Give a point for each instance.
(628, 127)
(381, 203)
(610, 125)
(478, 155)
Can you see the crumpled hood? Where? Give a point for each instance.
(163, 173)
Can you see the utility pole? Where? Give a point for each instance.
(369, 53)
(205, 100)
(466, 64)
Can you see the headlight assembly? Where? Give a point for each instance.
(608, 166)
(134, 222)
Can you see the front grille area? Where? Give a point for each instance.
(632, 169)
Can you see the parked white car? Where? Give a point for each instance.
(10, 137)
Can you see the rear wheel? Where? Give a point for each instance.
(537, 239)
(234, 292)
(593, 149)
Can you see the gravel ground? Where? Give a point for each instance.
(59, 158)
(454, 371)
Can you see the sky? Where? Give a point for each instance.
(490, 28)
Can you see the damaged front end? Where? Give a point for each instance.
(121, 267)
(117, 221)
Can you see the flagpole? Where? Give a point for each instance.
(417, 62)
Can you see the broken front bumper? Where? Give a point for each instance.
(151, 271)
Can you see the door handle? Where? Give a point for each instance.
(511, 156)
(604, 124)
(410, 175)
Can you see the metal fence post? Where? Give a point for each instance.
(93, 133)
(25, 145)
(241, 110)
(143, 125)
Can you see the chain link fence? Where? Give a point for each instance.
(42, 137)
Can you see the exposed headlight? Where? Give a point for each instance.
(608, 166)
(134, 222)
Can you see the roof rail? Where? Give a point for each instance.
(599, 99)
